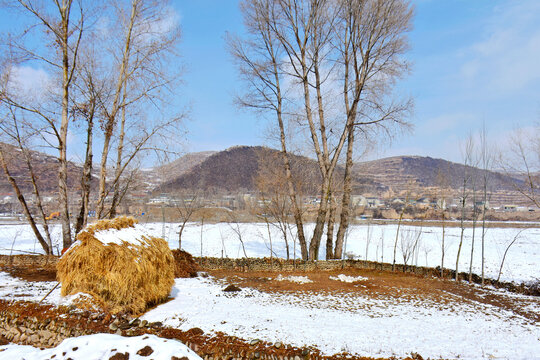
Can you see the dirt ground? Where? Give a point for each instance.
(384, 285)
(377, 285)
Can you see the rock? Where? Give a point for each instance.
(120, 356)
(34, 339)
(143, 323)
(124, 326)
(45, 334)
(145, 351)
(254, 342)
(23, 337)
(195, 331)
(278, 345)
(232, 288)
(113, 326)
(118, 332)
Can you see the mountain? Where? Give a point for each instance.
(247, 168)
(231, 170)
(241, 169)
(401, 172)
(45, 168)
(182, 165)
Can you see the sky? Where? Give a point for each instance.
(474, 62)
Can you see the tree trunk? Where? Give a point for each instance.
(62, 141)
(118, 172)
(346, 201)
(330, 229)
(109, 126)
(86, 178)
(24, 205)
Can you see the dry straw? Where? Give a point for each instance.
(123, 278)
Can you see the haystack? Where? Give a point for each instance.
(119, 264)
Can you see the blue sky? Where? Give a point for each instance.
(474, 62)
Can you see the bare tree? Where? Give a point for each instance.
(467, 176)
(296, 42)
(185, 208)
(486, 157)
(237, 229)
(132, 111)
(505, 252)
(522, 163)
(143, 76)
(259, 60)
(371, 40)
(63, 25)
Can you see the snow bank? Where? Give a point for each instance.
(295, 279)
(102, 346)
(348, 279)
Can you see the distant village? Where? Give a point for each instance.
(366, 206)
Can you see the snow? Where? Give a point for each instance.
(101, 346)
(371, 242)
(295, 279)
(451, 327)
(131, 235)
(336, 322)
(347, 278)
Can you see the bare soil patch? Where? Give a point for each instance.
(385, 285)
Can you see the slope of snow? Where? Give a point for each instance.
(101, 346)
(332, 322)
(352, 322)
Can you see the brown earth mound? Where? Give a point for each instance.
(185, 266)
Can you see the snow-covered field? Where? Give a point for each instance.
(333, 322)
(372, 242)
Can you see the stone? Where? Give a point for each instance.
(113, 326)
(278, 345)
(34, 339)
(232, 288)
(124, 326)
(145, 351)
(254, 342)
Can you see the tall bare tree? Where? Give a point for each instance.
(259, 58)
(143, 75)
(468, 152)
(299, 39)
(62, 24)
(373, 38)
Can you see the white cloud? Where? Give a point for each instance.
(505, 60)
(29, 82)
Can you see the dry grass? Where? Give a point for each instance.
(123, 278)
